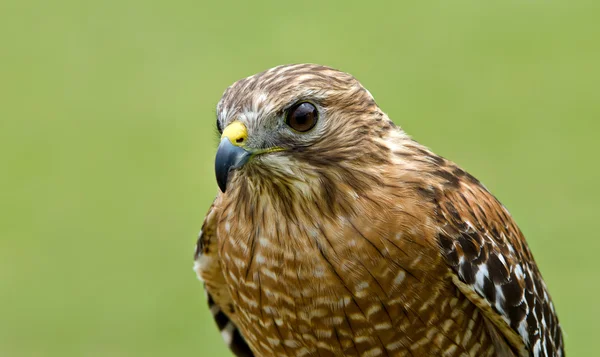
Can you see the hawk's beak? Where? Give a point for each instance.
(231, 153)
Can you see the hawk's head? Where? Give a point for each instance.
(289, 124)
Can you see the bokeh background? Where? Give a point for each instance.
(107, 145)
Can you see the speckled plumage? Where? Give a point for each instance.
(355, 240)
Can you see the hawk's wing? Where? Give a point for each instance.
(493, 266)
(208, 268)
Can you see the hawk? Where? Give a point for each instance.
(336, 234)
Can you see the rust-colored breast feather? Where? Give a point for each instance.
(364, 285)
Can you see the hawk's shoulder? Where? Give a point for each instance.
(491, 262)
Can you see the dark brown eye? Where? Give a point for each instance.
(302, 117)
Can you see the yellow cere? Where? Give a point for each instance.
(236, 132)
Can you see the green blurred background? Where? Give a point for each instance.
(107, 145)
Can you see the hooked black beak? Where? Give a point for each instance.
(228, 157)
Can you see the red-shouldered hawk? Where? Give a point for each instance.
(336, 234)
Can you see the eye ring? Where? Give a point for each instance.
(302, 117)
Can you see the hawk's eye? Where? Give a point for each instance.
(302, 117)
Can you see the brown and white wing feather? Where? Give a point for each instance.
(208, 268)
(493, 266)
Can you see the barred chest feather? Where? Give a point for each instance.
(349, 284)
